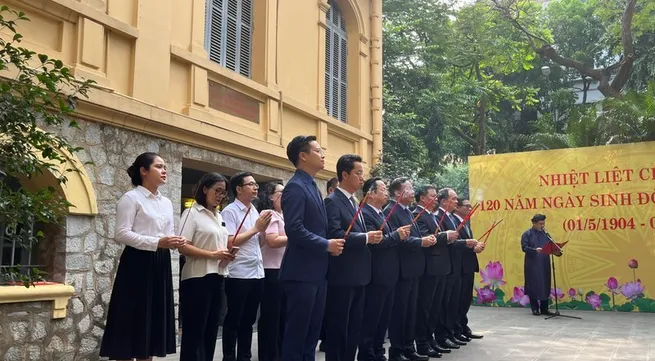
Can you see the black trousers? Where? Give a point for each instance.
(438, 311)
(465, 299)
(345, 309)
(378, 302)
(430, 298)
(450, 310)
(270, 327)
(403, 316)
(243, 296)
(201, 313)
(303, 317)
(539, 305)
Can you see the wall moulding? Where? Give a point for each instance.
(59, 294)
(258, 91)
(69, 10)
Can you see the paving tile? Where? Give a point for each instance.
(514, 334)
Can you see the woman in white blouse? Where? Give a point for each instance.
(202, 279)
(141, 316)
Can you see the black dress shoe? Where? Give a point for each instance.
(398, 357)
(536, 313)
(473, 336)
(413, 356)
(428, 351)
(547, 313)
(456, 341)
(435, 346)
(447, 344)
(462, 338)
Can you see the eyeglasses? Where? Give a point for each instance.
(220, 191)
(319, 151)
(251, 184)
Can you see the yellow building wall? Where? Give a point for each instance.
(153, 74)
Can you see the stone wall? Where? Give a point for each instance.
(86, 256)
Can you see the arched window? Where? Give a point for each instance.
(336, 60)
(14, 255)
(228, 34)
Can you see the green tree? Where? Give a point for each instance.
(36, 92)
(609, 59)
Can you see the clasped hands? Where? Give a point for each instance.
(335, 246)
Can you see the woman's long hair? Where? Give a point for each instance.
(264, 201)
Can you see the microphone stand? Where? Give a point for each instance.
(552, 262)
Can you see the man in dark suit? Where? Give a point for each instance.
(470, 266)
(437, 265)
(384, 273)
(305, 264)
(350, 272)
(412, 266)
(445, 333)
(330, 186)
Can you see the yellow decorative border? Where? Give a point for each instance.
(58, 293)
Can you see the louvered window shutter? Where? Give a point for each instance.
(336, 56)
(228, 34)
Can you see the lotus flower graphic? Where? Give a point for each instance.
(557, 292)
(492, 275)
(613, 286)
(485, 295)
(593, 300)
(634, 265)
(520, 297)
(633, 290)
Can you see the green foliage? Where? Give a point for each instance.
(35, 92)
(500, 297)
(454, 176)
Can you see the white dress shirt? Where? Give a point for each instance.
(204, 230)
(248, 263)
(142, 218)
(359, 216)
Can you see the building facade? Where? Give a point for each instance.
(211, 85)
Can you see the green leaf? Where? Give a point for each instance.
(583, 306)
(626, 307)
(645, 304)
(43, 58)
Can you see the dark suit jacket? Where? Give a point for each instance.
(469, 257)
(353, 266)
(385, 266)
(456, 248)
(305, 223)
(410, 253)
(437, 257)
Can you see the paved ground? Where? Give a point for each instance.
(514, 334)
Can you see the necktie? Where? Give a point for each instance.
(411, 217)
(355, 207)
(354, 203)
(452, 220)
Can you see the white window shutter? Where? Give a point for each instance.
(336, 64)
(229, 34)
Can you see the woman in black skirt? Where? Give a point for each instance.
(204, 271)
(141, 316)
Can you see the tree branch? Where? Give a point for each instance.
(628, 48)
(465, 136)
(549, 52)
